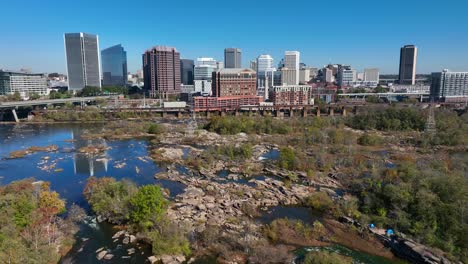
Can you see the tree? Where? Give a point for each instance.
(90, 91)
(287, 159)
(319, 201)
(148, 206)
(110, 198)
(34, 96)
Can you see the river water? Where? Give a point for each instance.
(67, 171)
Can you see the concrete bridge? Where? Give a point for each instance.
(421, 95)
(14, 105)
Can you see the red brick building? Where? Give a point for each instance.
(231, 88)
(292, 95)
(234, 82)
(224, 103)
(161, 71)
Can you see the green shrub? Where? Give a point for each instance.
(319, 201)
(323, 257)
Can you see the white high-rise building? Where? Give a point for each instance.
(327, 75)
(23, 83)
(291, 61)
(346, 76)
(371, 75)
(450, 86)
(265, 75)
(203, 72)
(264, 62)
(304, 75)
(206, 61)
(289, 76)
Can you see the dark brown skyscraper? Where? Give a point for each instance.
(408, 56)
(161, 71)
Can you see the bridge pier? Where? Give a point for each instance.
(15, 115)
(164, 114)
(179, 114)
(237, 113)
(344, 111)
(355, 110)
(304, 112)
(331, 111)
(208, 115)
(318, 111)
(279, 114)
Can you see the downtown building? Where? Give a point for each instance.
(203, 75)
(83, 60)
(292, 63)
(449, 86)
(186, 71)
(114, 66)
(408, 58)
(232, 58)
(346, 76)
(371, 77)
(232, 88)
(161, 71)
(287, 95)
(265, 75)
(23, 83)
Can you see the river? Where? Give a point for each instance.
(67, 171)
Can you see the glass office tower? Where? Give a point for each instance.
(114, 66)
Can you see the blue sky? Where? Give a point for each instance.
(363, 33)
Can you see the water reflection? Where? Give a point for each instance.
(67, 171)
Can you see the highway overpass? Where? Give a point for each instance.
(10, 105)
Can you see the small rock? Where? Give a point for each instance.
(108, 256)
(153, 259)
(101, 254)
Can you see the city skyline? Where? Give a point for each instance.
(382, 32)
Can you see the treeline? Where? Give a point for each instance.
(234, 125)
(31, 230)
(231, 125)
(143, 209)
(423, 198)
(451, 128)
(390, 119)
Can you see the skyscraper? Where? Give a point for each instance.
(291, 61)
(408, 57)
(264, 62)
(265, 75)
(161, 71)
(186, 71)
(83, 62)
(114, 66)
(232, 58)
(206, 61)
(449, 86)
